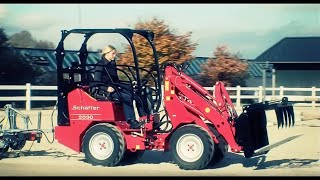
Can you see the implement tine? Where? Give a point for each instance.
(291, 112)
(279, 116)
(285, 114)
(289, 115)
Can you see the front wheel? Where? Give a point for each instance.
(103, 144)
(220, 149)
(191, 147)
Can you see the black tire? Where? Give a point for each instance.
(220, 149)
(184, 139)
(18, 145)
(4, 150)
(99, 135)
(130, 157)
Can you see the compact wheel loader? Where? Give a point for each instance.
(183, 118)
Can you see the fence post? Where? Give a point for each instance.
(238, 96)
(28, 96)
(313, 94)
(260, 93)
(281, 92)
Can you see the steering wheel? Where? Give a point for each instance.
(99, 91)
(96, 88)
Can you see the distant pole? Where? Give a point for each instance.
(264, 80)
(79, 16)
(273, 81)
(263, 84)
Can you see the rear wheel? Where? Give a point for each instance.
(191, 147)
(103, 144)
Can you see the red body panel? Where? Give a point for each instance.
(84, 111)
(71, 136)
(84, 107)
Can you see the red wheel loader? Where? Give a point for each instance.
(183, 118)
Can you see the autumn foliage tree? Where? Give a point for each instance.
(169, 45)
(225, 67)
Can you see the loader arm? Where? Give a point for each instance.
(185, 99)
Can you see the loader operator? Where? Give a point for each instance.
(106, 72)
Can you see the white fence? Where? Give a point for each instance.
(309, 97)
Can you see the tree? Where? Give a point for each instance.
(13, 69)
(169, 45)
(44, 44)
(24, 39)
(226, 67)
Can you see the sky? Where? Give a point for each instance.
(248, 29)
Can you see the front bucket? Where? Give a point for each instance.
(251, 125)
(251, 130)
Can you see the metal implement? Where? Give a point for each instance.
(11, 136)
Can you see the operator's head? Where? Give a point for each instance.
(109, 52)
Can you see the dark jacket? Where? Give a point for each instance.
(106, 72)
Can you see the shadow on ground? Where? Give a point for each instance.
(259, 162)
(49, 152)
(157, 157)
